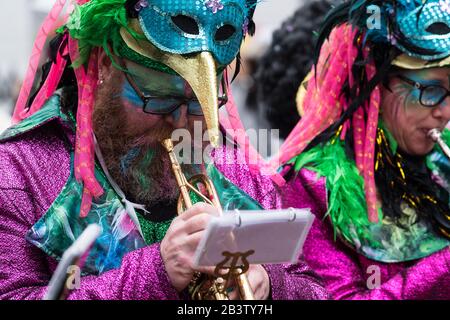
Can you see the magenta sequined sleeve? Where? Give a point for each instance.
(142, 276)
(33, 171)
(347, 275)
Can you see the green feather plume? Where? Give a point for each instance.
(97, 23)
(346, 203)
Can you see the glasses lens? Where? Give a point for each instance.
(433, 95)
(195, 109)
(161, 105)
(166, 105)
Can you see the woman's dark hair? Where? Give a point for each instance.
(287, 62)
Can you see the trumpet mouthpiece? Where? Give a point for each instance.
(168, 144)
(434, 135)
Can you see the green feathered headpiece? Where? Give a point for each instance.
(97, 23)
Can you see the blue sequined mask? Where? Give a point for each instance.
(190, 26)
(426, 26)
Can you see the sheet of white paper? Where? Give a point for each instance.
(275, 236)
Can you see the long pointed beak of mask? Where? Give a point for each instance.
(200, 72)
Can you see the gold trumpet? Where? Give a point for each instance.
(205, 287)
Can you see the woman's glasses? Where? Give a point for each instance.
(430, 95)
(163, 105)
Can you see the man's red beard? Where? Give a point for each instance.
(135, 159)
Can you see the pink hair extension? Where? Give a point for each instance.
(87, 83)
(49, 25)
(53, 79)
(234, 126)
(84, 161)
(369, 159)
(335, 63)
(323, 95)
(351, 56)
(359, 134)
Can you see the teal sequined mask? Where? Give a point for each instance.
(427, 26)
(191, 26)
(421, 29)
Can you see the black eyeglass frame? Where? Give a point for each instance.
(223, 100)
(422, 89)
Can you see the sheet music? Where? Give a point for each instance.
(275, 236)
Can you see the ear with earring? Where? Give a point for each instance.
(101, 80)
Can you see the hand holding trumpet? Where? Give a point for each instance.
(181, 241)
(179, 246)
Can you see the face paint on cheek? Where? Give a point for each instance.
(127, 160)
(403, 96)
(413, 99)
(176, 115)
(424, 81)
(130, 97)
(394, 109)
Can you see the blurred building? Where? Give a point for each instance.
(269, 17)
(19, 23)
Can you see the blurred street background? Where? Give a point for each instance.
(21, 19)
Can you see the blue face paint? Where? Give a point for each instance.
(162, 93)
(415, 92)
(428, 93)
(426, 82)
(127, 160)
(129, 95)
(176, 115)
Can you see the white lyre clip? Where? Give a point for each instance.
(238, 218)
(294, 215)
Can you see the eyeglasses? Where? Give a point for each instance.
(430, 95)
(163, 105)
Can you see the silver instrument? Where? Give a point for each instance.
(436, 136)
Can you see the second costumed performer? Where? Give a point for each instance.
(379, 87)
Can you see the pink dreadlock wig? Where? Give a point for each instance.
(87, 81)
(324, 104)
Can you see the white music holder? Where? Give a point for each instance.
(275, 236)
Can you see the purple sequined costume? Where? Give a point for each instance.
(348, 275)
(34, 169)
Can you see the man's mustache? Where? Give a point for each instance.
(153, 137)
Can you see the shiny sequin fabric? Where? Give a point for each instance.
(35, 166)
(420, 23)
(204, 30)
(348, 275)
